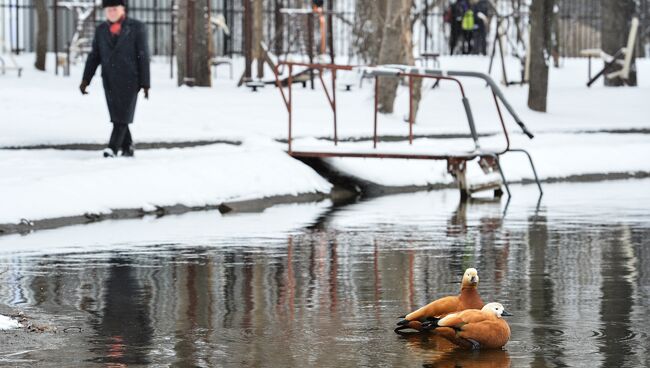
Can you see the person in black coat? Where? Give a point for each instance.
(458, 9)
(120, 47)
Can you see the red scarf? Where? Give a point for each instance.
(116, 27)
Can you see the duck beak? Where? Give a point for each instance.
(473, 280)
(505, 313)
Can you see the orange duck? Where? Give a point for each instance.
(467, 299)
(474, 329)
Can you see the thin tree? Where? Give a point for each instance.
(41, 34)
(194, 43)
(617, 15)
(392, 49)
(368, 29)
(258, 34)
(541, 17)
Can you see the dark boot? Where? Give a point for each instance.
(118, 136)
(128, 148)
(128, 151)
(108, 153)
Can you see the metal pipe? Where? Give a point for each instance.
(503, 177)
(290, 105)
(336, 136)
(532, 165)
(310, 46)
(374, 138)
(470, 121)
(330, 99)
(155, 27)
(17, 29)
(503, 124)
(410, 110)
(172, 47)
(499, 94)
(55, 35)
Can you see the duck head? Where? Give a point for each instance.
(470, 278)
(497, 309)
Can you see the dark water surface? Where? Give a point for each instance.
(315, 285)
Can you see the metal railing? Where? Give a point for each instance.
(579, 25)
(411, 73)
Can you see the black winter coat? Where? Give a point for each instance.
(125, 66)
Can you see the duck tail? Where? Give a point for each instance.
(403, 322)
(430, 324)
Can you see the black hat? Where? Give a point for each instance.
(107, 3)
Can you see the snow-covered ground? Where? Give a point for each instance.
(43, 109)
(8, 323)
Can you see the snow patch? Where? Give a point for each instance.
(8, 323)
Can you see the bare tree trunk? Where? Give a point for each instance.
(248, 40)
(392, 49)
(41, 34)
(615, 31)
(258, 36)
(279, 29)
(541, 16)
(194, 43)
(369, 28)
(409, 59)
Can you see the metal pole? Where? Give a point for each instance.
(374, 137)
(55, 34)
(290, 104)
(172, 46)
(310, 45)
(188, 78)
(336, 137)
(330, 29)
(155, 27)
(248, 39)
(17, 29)
(410, 110)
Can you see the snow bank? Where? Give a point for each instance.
(49, 183)
(8, 323)
(205, 228)
(555, 155)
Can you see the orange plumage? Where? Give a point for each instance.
(468, 298)
(474, 329)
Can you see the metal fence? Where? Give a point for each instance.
(579, 24)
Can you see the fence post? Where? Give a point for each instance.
(55, 34)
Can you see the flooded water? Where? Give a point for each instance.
(319, 285)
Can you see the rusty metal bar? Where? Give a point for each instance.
(374, 137)
(331, 99)
(310, 46)
(325, 66)
(410, 110)
(55, 35)
(417, 156)
(336, 135)
(278, 84)
(290, 106)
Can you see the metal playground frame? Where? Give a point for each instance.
(489, 159)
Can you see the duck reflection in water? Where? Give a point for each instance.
(436, 351)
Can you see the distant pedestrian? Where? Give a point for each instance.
(481, 10)
(454, 16)
(467, 25)
(120, 47)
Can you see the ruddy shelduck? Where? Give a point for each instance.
(468, 298)
(474, 329)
